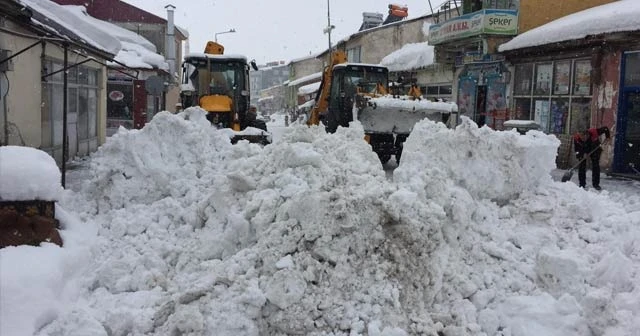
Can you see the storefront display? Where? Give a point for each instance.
(543, 79)
(582, 78)
(542, 114)
(560, 98)
(562, 78)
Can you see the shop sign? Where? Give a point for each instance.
(486, 21)
(477, 57)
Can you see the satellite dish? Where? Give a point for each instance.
(154, 85)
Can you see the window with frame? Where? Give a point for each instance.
(82, 93)
(556, 94)
(353, 55)
(437, 92)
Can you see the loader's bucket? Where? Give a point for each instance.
(398, 120)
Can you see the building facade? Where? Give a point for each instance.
(570, 85)
(35, 70)
(135, 104)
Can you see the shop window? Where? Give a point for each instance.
(543, 79)
(554, 94)
(580, 115)
(632, 69)
(83, 114)
(524, 74)
(559, 115)
(523, 109)
(582, 78)
(561, 78)
(82, 104)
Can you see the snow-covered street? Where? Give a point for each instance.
(171, 230)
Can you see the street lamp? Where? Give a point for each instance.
(232, 30)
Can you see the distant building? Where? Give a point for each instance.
(268, 75)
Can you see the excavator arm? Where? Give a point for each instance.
(322, 99)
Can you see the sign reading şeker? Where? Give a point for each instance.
(486, 21)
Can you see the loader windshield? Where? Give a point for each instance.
(352, 79)
(218, 76)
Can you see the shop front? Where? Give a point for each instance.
(482, 93)
(627, 154)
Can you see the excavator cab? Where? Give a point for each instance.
(219, 84)
(357, 91)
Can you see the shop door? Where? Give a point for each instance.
(139, 104)
(467, 97)
(628, 134)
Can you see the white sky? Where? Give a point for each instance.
(273, 30)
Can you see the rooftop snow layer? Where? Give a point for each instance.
(307, 78)
(309, 88)
(57, 17)
(617, 16)
(136, 51)
(411, 56)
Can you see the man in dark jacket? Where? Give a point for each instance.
(588, 143)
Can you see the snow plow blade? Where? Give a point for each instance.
(259, 139)
(393, 115)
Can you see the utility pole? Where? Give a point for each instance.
(329, 28)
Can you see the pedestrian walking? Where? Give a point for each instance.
(588, 143)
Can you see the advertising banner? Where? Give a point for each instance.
(486, 21)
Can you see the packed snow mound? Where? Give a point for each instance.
(28, 174)
(488, 164)
(307, 236)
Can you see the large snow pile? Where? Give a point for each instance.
(39, 176)
(307, 236)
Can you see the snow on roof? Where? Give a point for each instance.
(617, 16)
(307, 78)
(182, 31)
(136, 51)
(63, 21)
(28, 174)
(304, 58)
(307, 104)
(309, 88)
(410, 57)
(265, 98)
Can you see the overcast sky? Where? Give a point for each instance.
(276, 29)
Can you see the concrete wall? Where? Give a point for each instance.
(534, 13)
(25, 90)
(379, 42)
(304, 67)
(298, 69)
(604, 104)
